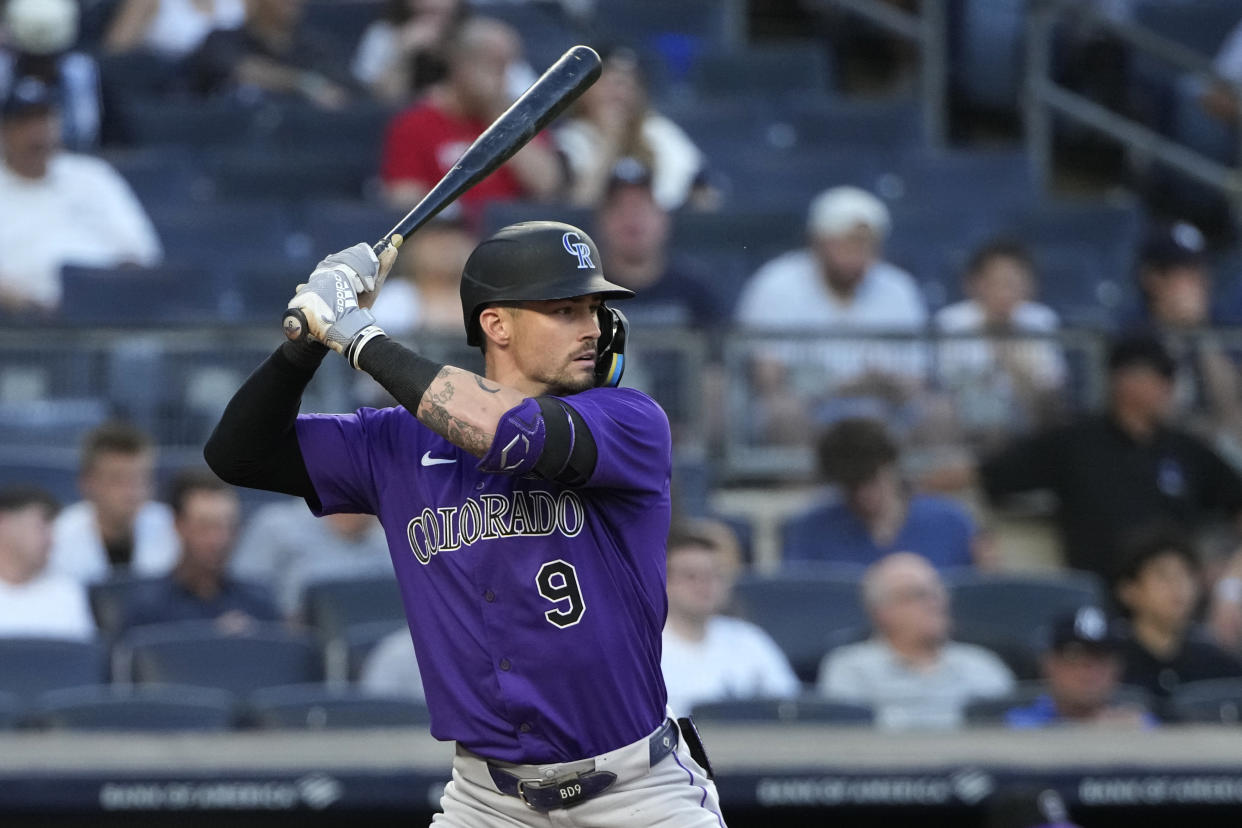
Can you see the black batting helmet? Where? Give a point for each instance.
(532, 260)
(536, 260)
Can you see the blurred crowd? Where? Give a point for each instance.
(948, 352)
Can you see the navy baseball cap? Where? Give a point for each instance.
(29, 96)
(1087, 628)
(1141, 350)
(1174, 245)
(628, 172)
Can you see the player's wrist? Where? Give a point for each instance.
(305, 353)
(364, 337)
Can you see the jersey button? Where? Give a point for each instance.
(524, 727)
(489, 596)
(504, 664)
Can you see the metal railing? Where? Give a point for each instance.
(1046, 99)
(928, 30)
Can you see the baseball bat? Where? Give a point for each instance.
(546, 98)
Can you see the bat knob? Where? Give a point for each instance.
(294, 325)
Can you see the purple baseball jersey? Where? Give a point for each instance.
(536, 610)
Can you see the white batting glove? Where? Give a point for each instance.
(331, 300)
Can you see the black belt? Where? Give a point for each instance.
(568, 791)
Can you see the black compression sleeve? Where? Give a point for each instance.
(255, 444)
(403, 373)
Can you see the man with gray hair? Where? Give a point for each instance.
(910, 671)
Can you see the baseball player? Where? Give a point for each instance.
(526, 512)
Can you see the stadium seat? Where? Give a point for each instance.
(111, 599)
(32, 666)
(998, 181)
(135, 708)
(54, 470)
(1020, 607)
(332, 225)
(290, 174)
(802, 709)
(347, 652)
(1020, 656)
(993, 711)
(801, 609)
(197, 653)
(545, 29)
(792, 69)
(1213, 700)
(161, 176)
(331, 607)
(752, 235)
(215, 123)
(767, 180)
(500, 214)
(124, 296)
(54, 422)
(11, 708)
(318, 707)
(830, 123)
(986, 53)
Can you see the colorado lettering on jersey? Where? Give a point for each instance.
(533, 513)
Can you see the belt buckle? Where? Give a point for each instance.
(521, 787)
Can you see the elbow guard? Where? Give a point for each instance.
(544, 437)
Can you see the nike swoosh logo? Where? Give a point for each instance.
(428, 460)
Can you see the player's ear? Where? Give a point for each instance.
(496, 325)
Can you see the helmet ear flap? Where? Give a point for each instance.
(614, 330)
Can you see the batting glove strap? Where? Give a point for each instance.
(353, 351)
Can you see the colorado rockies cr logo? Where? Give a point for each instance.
(578, 248)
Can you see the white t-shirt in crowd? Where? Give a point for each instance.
(977, 356)
(180, 26)
(78, 550)
(82, 212)
(50, 605)
(391, 669)
(902, 696)
(735, 660)
(676, 165)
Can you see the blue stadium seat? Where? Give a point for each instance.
(1081, 283)
(1020, 607)
(754, 236)
(503, 213)
(644, 21)
(197, 653)
(111, 600)
(980, 182)
(772, 180)
(331, 607)
(166, 294)
(33, 666)
(793, 69)
(136, 708)
(1213, 700)
(162, 175)
(215, 123)
(348, 651)
(221, 238)
(355, 132)
(291, 174)
(1201, 25)
(801, 609)
(336, 224)
(11, 710)
(319, 707)
(344, 23)
(1114, 228)
(53, 422)
(892, 124)
(986, 53)
(802, 709)
(56, 471)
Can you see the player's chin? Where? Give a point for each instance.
(573, 380)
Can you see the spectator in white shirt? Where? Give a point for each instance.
(172, 29)
(391, 668)
(35, 602)
(708, 656)
(284, 547)
(910, 672)
(58, 208)
(117, 526)
(838, 285)
(1000, 380)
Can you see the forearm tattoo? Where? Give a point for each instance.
(434, 412)
(482, 383)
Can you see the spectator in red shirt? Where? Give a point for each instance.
(424, 141)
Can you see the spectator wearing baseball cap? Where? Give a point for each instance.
(1159, 588)
(37, 41)
(57, 207)
(1176, 303)
(839, 286)
(1120, 468)
(1082, 669)
(633, 236)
